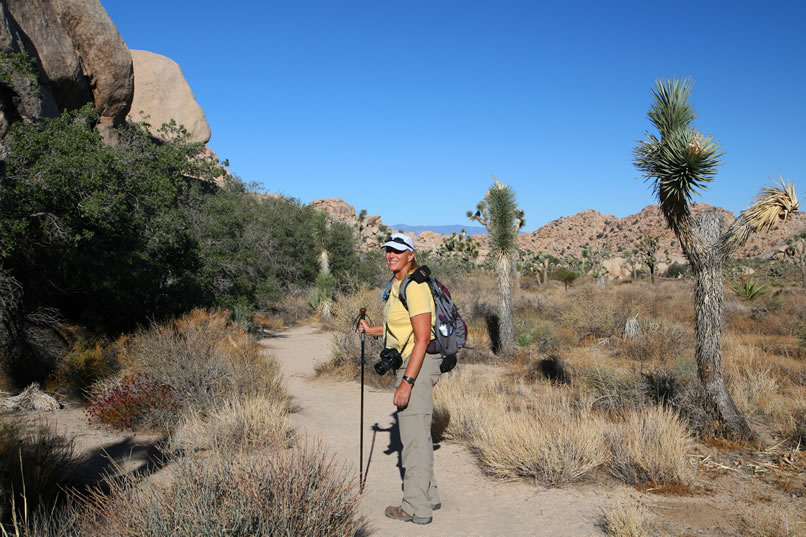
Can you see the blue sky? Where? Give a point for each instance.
(406, 107)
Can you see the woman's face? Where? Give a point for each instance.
(398, 260)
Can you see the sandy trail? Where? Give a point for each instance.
(472, 505)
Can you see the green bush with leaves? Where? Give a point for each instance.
(94, 230)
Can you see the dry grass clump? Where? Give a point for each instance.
(626, 520)
(650, 445)
(462, 399)
(777, 521)
(205, 359)
(251, 422)
(34, 462)
(554, 445)
(658, 341)
(292, 492)
(517, 431)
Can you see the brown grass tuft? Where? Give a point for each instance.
(291, 492)
(650, 444)
(626, 520)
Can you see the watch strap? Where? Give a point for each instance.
(408, 379)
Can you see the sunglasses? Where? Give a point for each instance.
(397, 240)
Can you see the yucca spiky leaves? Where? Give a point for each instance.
(681, 161)
(775, 203)
(503, 215)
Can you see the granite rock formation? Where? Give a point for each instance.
(161, 94)
(81, 58)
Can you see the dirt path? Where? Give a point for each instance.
(472, 505)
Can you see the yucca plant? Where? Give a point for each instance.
(748, 289)
(680, 161)
(499, 213)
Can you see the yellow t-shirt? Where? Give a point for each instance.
(398, 330)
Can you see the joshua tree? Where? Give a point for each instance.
(679, 161)
(538, 263)
(498, 212)
(461, 247)
(594, 260)
(632, 261)
(796, 252)
(647, 253)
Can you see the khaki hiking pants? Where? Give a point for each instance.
(419, 484)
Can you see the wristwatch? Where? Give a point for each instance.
(408, 379)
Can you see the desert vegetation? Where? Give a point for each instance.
(228, 448)
(603, 385)
(134, 277)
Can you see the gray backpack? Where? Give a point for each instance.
(449, 332)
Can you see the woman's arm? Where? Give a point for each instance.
(421, 324)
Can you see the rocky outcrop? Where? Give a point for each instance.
(368, 228)
(53, 48)
(81, 58)
(104, 57)
(161, 94)
(22, 97)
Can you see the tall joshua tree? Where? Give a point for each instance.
(680, 161)
(498, 212)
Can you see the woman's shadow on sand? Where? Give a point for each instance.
(395, 445)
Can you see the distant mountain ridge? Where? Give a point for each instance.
(570, 235)
(441, 230)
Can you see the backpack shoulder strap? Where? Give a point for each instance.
(420, 275)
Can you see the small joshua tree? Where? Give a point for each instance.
(461, 247)
(498, 212)
(679, 161)
(647, 251)
(796, 252)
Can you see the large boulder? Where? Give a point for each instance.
(21, 96)
(47, 40)
(161, 94)
(105, 58)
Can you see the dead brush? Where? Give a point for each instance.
(204, 358)
(657, 341)
(290, 492)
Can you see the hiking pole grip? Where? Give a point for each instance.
(362, 315)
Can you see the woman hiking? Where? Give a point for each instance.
(408, 331)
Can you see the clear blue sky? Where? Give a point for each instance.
(405, 107)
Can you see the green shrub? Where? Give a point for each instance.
(94, 230)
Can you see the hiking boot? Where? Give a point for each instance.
(397, 512)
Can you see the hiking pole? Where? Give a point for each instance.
(361, 315)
